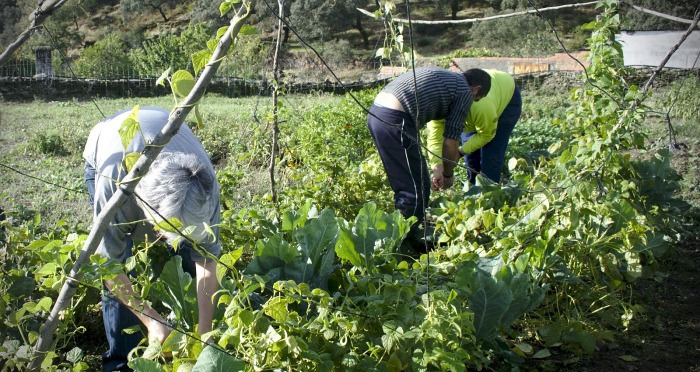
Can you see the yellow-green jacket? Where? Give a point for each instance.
(482, 118)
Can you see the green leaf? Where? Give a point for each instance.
(200, 60)
(182, 83)
(129, 128)
(213, 359)
(47, 270)
(170, 225)
(74, 355)
(146, 365)
(316, 240)
(130, 160)
(248, 30)
(276, 308)
(489, 301)
(544, 353)
(221, 32)
(200, 124)
(161, 80)
(21, 286)
(225, 7)
(174, 289)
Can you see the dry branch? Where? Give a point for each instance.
(127, 186)
(662, 15)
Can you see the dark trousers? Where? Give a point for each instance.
(489, 159)
(396, 138)
(117, 316)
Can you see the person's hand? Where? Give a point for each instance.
(447, 182)
(438, 179)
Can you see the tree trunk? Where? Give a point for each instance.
(363, 32)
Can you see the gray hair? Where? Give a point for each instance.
(180, 186)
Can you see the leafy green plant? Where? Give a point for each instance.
(48, 144)
(106, 59)
(169, 51)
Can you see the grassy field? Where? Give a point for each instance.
(42, 142)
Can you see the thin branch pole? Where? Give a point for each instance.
(38, 16)
(472, 20)
(661, 15)
(127, 186)
(656, 72)
(673, 50)
(275, 94)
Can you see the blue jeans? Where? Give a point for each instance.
(489, 159)
(117, 316)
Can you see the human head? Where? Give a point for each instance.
(178, 185)
(480, 82)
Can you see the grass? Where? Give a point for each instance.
(51, 183)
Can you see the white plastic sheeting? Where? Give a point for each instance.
(649, 48)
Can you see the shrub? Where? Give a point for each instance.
(106, 59)
(48, 144)
(169, 51)
(523, 36)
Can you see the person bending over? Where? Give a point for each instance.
(487, 130)
(181, 184)
(401, 109)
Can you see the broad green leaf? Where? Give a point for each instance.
(21, 286)
(221, 32)
(182, 83)
(129, 128)
(46, 270)
(544, 353)
(130, 160)
(293, 219)
(174, 289)
(214, 359)
(74, 355)
(145, 365)
(345, 248)
(170, 225)
(225, 7)
(582, 338)
(276, 308)
(200, 60)
(489, 301)
(317, 239)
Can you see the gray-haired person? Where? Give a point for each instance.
(181, 184)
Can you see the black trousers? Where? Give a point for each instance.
(396, 138)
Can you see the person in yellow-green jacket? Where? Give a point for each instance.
(487, 131)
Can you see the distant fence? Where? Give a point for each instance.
(56, 88)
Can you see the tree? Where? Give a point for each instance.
(323, 20)
(10, 27)
(129, 6)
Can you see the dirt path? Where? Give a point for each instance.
(668, 337)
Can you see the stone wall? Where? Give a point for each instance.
(55, 88)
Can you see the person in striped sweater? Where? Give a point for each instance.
(401, 109)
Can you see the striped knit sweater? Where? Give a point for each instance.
(435, 93)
